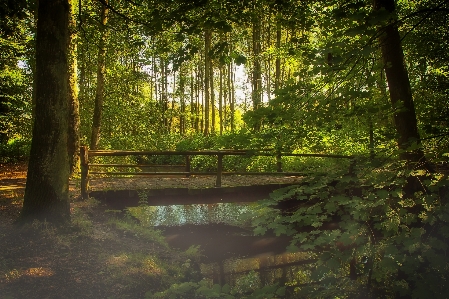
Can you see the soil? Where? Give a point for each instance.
(92, 258)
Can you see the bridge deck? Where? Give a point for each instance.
(120, 193)
(193, 182)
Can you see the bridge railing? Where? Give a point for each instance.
(86, 154)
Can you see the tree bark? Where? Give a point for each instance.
(212, 98)
(46, 192)
(220, 101)
(257, 69)
(74, 113)
(207, 42)
(101, 70)
(399, 87)
(278, 55)
(232, 97)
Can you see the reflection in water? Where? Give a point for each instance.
(232, 254)
(198, 214)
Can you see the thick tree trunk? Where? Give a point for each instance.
(101, 70)
(46, 193)
(74, 113)
(399, 87)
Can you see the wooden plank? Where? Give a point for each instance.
(165, 153)
(136, 165)
(266, 173)
(208, 153)
(318, 156)
(153, 173)
(199, 173)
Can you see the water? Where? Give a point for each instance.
(232, 254)
(232, 214)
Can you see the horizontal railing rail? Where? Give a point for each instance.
(86, 154)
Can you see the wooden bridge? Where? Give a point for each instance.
(162, 184)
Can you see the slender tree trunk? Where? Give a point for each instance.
(257, 69)
(46, 192)
(220, 101)
(270, 56)
(212, 98)
(192, 98)
(74, 113)
(172, 109)
(182, 83)
(101, 72)
(197, 101)
(207, 42)
(278, 56)
(165, 97)
(232, 98)
(399, 87)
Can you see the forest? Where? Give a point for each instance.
(366, 79)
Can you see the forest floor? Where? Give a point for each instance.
(98, 256)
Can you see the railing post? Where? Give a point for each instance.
(84, 160)
(219, 170)
(279, 161)
(188, 166)
(352, 166)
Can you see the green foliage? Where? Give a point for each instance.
(14, 150)
(369, 238)
(205, 289)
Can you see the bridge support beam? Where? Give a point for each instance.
(84, 159)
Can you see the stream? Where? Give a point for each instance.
(231, 253)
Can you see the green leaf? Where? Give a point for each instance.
(260, 230)
(292, 248)
(240, 59)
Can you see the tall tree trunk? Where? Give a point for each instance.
(182, 83)
(232, 97)
(268, 62)
(220, 101)
(207, 42)
(74, 113)
(399, 87)
(192, 98)
(197, 101)
(212, 98)
(165, 97)
(277, 78)
(47, 186)
(201, 95)
(101, 70)
(257, 69)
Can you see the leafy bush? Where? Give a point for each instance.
(371, 240)
(15, 150)
(206, 289)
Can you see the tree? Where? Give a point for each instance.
(101, 71)
(14, 80)
(74, 119)
(399, 87)
(46, 192)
